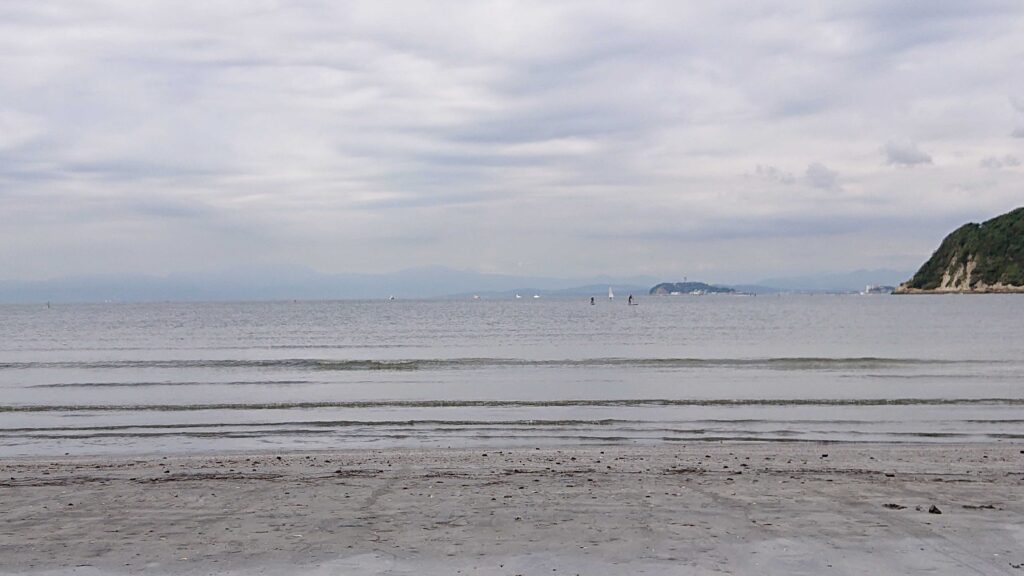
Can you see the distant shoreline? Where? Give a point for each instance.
(942, 291)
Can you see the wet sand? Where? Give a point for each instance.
(699, 508)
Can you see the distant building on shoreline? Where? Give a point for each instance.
(878, 289)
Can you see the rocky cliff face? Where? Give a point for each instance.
(960, 278)
(976, 258)
(957, 277)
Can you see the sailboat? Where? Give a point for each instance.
(611, 295)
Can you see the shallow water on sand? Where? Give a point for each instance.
(141, 378)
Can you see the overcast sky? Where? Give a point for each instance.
(723, 141)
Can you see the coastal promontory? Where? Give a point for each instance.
(689, 288)
(975, 258)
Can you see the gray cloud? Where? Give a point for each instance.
(819, 176)
(997, 162)
(1018, 133)
(774, 174)
(904, 154)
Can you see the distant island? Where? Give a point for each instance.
(689, 288)
(975, 259)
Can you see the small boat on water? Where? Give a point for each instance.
(611, 295)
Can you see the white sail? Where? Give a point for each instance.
(611, 294)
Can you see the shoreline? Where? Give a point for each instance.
(687, 508)
(902, 291)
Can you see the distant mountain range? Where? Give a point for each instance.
(297, 283)
(837, 282)
(304, 284)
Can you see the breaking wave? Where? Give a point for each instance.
(783, 363)
(516, 404)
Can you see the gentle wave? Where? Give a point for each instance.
(170, 383)
(515, 404)
(781, 363)
(293, 363)
(508, 430)
(164, 347)
(299, 425)
(618, 423)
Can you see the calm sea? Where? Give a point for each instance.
(187, 378)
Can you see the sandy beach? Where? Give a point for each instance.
(701, 508)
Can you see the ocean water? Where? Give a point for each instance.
(207, 377)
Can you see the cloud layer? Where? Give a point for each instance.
(905, 154)
(557, 138)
